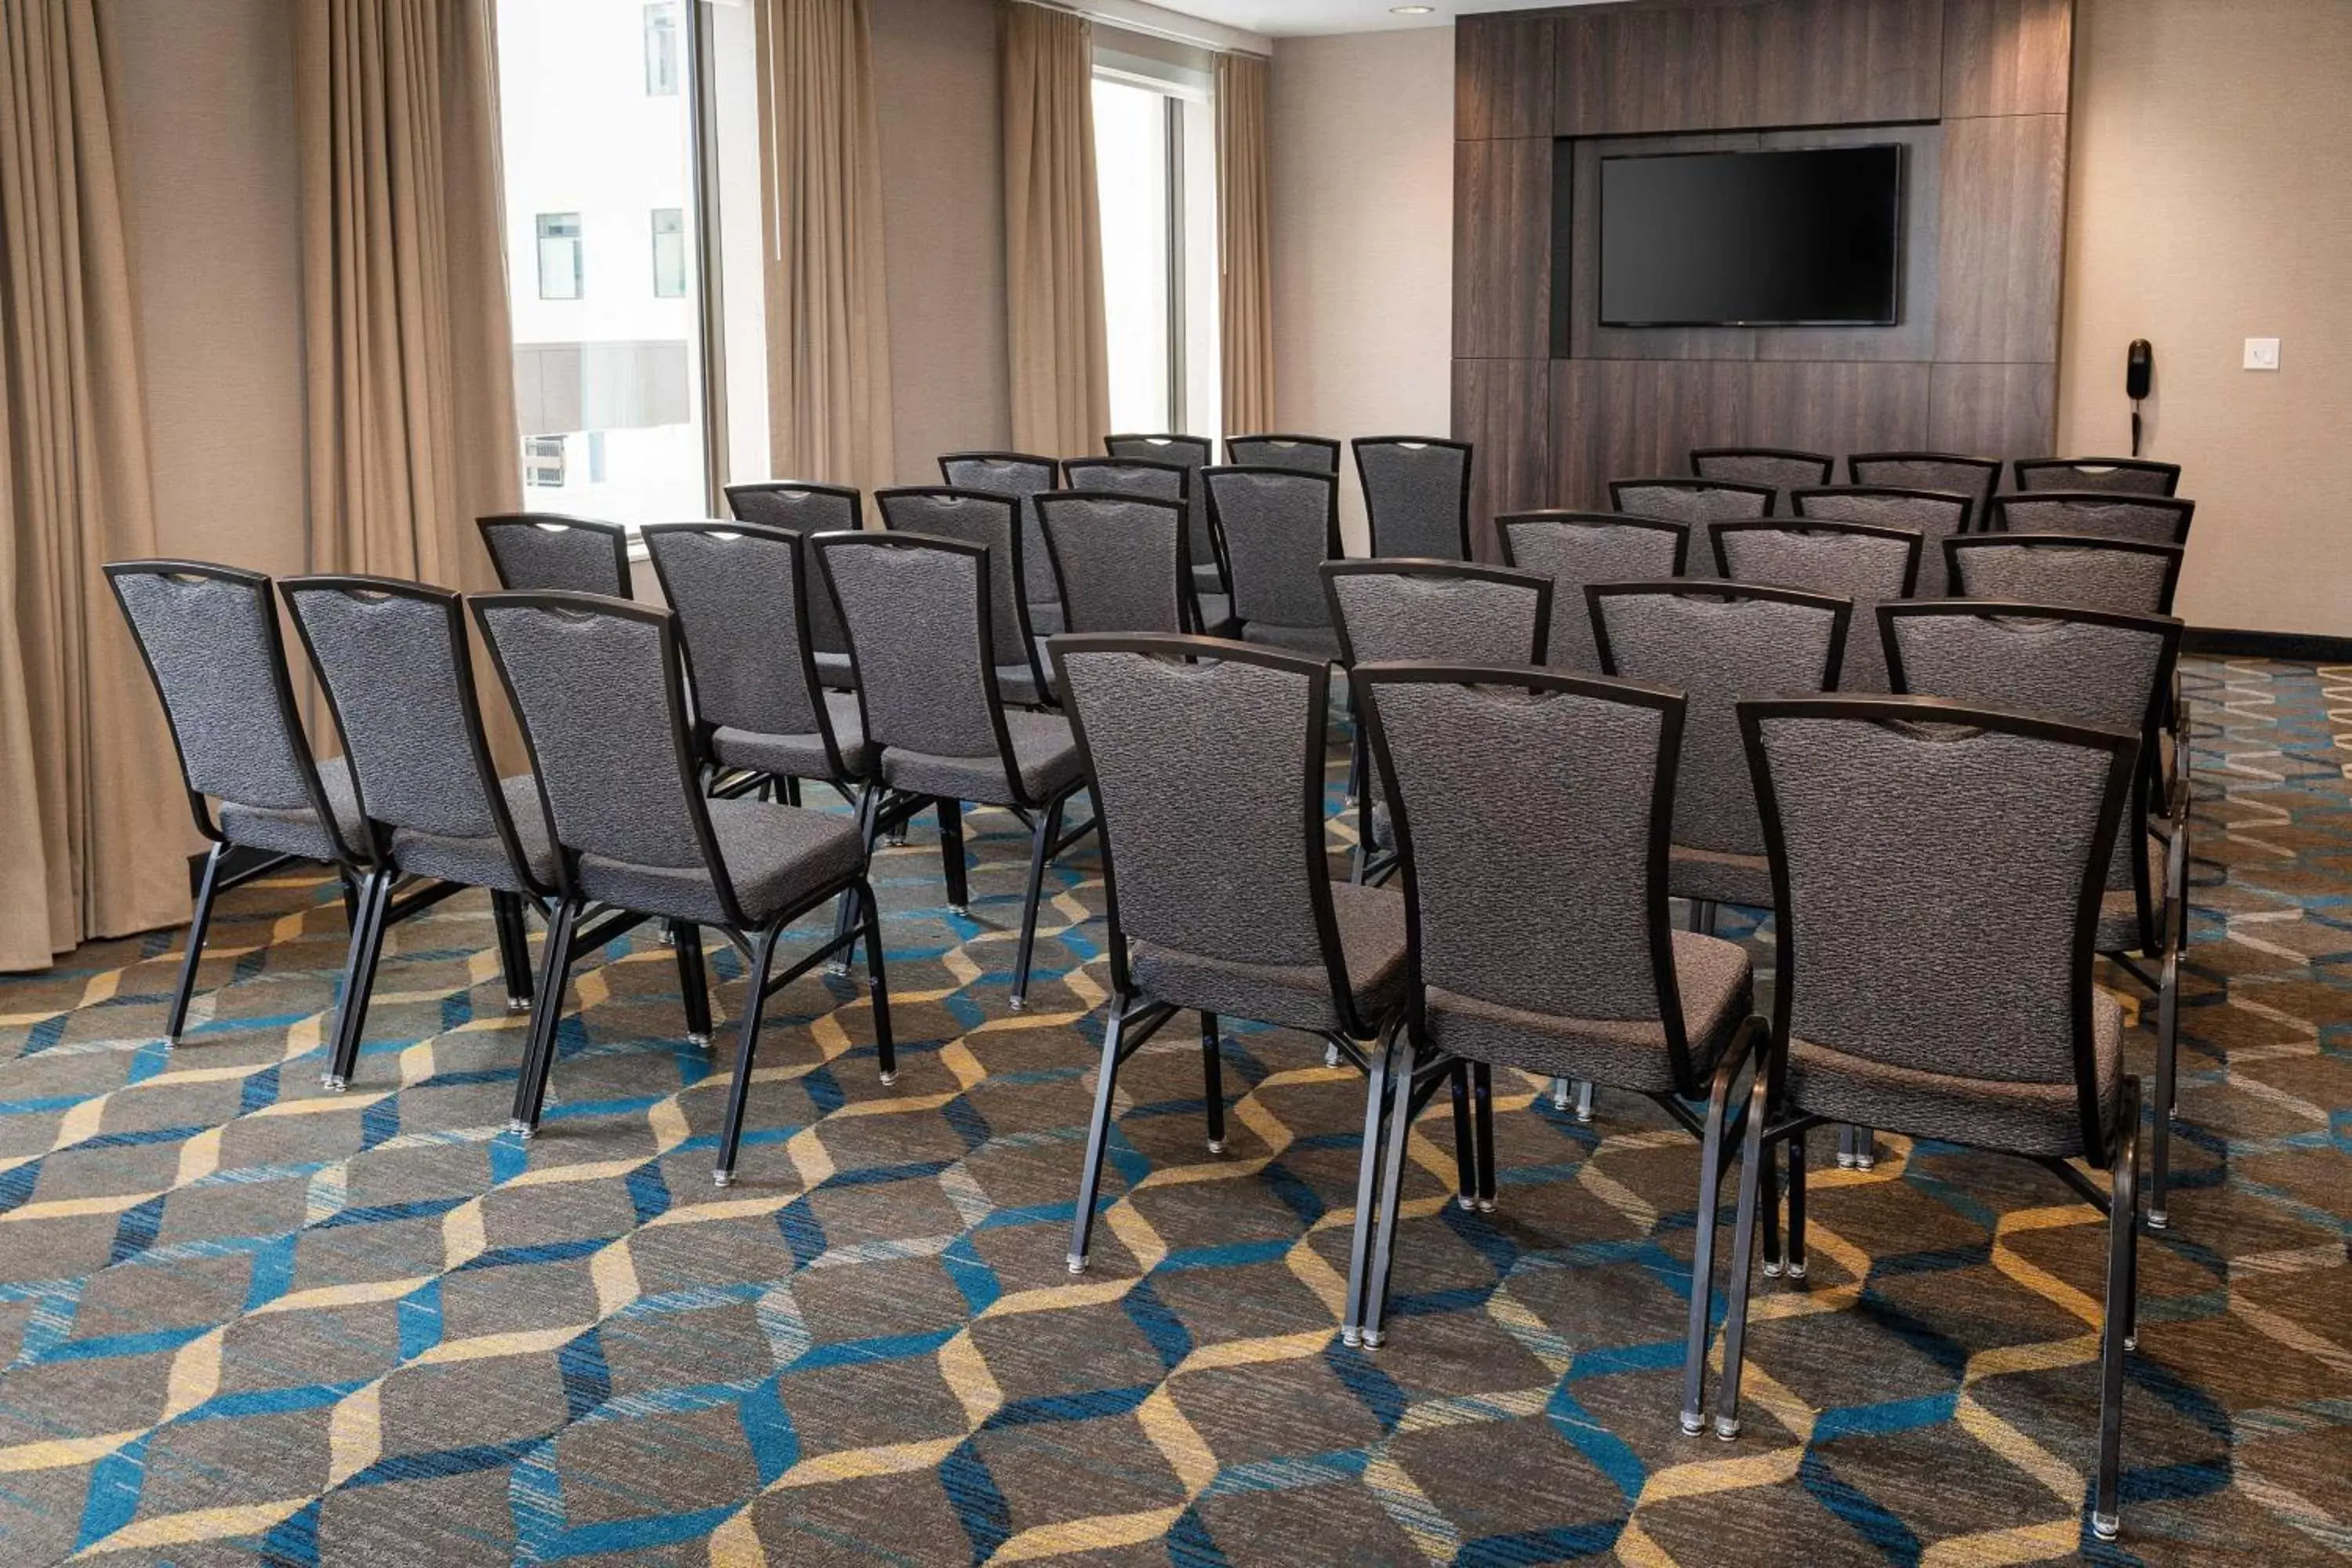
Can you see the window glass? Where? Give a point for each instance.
(669, 253)
(1131, 167)
(661, 50)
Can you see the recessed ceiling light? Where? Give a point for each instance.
(1411, 10)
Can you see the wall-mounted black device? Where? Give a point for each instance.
(2140, 370)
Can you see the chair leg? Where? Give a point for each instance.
(845, 914)
(1482, 1101)
(1702, 916)
(1584, 1100)
(791, 788)
(738, 1093)
(693, 983)
(1391, 1193)
(951, 861)
(1357, 763)
(514, 949)
(547, 1014)
(1368, 1192)
(1743, 1239)
(358, 981)
(1796, 1253)
(2123, 1238)
(1466, 1134)
(877, 986)
(1041, 843)
(206, 890)
(1082, 1218)
(1768, 1213)
(1212, 1082)
(1702, 1295)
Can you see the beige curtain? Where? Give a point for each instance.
(411, 361)
(829, 319)
(1245, 243)
(94, 828)
(1052, 234)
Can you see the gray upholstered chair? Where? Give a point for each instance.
(1975, 478)
(570, 554)
(1119, 561)
(1574, 548)
(1940, 869)
(1559, 957)
(2120, 476)
(1191, 454)
(2084, 667)
(1934, 515)
(1206, 761)
(1776, 468)
(1416, 495)
(994, 522)
(921, 612)
(2089, 515)
(1274, 528)
(2116, 574)
(1213, 602)
(809, 509)
(600, 687)
(1304, 454)
(1022, 476)
(1693, 502)
(209, 636)
(1716, 643)
(1861, 562)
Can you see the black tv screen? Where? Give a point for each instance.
(1810, 238)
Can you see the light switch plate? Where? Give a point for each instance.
(2262, 353)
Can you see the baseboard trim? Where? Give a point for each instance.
(2309, 648)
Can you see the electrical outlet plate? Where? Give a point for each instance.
(2262, 353)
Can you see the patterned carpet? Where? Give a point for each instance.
(245, 1322)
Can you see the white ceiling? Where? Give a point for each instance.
(1296, 18)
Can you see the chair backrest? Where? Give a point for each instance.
(807, 510)
(1119, 561)
(600, 687)
(1448, 610)
(1274, 528)
(977, 518)
(1574, 548)
(1570, 918)
(1975, 478)
(2150, 519)
(1306, 454)
(1939, 870)
(1416, 495)
(919, 613)
(393, 660)
(1205, 760)
(1129, 476)
(1022, 476)
(2126, 476)
(1697, 503)
(741, 592)
(563, 554)
(209, 636)
(2118, 574)
(1717, 643)
(1858, 562)
(1934, 515)
(1189, 453)
(1776, 468)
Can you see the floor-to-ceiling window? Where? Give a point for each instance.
(1155, 162)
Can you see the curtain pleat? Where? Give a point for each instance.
(1052, 234)
(1245, 243)
(94, 828)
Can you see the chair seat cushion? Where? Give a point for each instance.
(1320, 640)
(1044, 753)
(835, 671)
(298, 831)
(1206, 578)
(1717, 991)
(1045, 617)
(1720, 876)
(800, 756)
(1371, 922)
(2016, 1117)
(775, 855)
(1217, 614)
(1017, 684)
(483, 862)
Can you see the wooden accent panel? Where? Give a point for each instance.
(1501, 405)
(2004, 228)
(1502, 248)
(1502, 76)
(1618, 419)
(2000, 410)
(2006, 56)
(1838, 409)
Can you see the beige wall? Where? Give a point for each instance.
(1362, 126)
(2211, 203)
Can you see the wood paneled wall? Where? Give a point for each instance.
(1978, 89)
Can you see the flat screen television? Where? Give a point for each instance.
(1809, 237)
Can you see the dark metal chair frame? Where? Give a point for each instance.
(1333, 549)
(1617, 488)
(1187, 606)
(2024, 467)
(817, 605)
(1201, 445)
(1822, 460)
(2183, 512)
(1971, 511)
(1462, 501)
(616, 534)
(1979, 498)
(1017, 565)
(1802, 525)
(1074, 467)
(1322, 443)
(2172, 553)
(1680, 530)
(1769, 1122)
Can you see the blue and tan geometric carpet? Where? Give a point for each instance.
(244, 1321)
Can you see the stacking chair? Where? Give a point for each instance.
(1416, 495)
(2092, 514)
(1939, 869)
(570, 555)
(1975, 478)
(2124, 475)
(1534, 810)
(1861, 562)
(2122, 575)
(1191, 454)
(1274, 528)
(209, 636)
(1213, 602)
(809, 509)
(994, 522)
(1304, 454)
(1022, 477)
(2084, 667)
(1934, 515)
(1574, 548)
(1206, 762)
(1695, 502)
(922, 615)
(1773, 467)
(600, 687)
(1118, 562)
